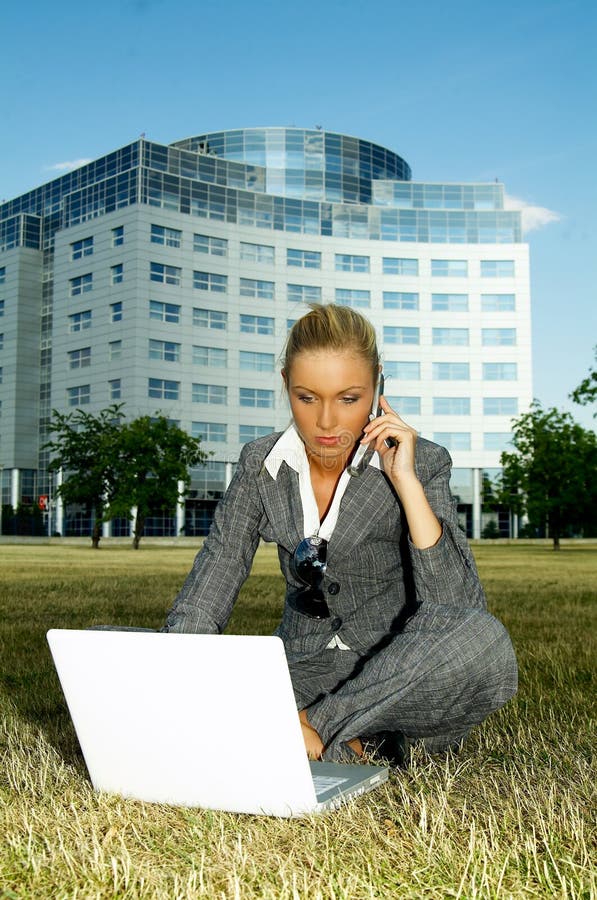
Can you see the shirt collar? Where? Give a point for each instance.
(289, 448)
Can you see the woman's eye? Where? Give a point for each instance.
(350, 399)
(305, 398)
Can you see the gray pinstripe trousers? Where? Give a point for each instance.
(445, 672)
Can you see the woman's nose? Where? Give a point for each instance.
(326, 419)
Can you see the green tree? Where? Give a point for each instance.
(550, 475)
(85, 447)
(586, 392)
(154, 455)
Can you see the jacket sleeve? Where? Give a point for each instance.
(206, 599)
(445, 573)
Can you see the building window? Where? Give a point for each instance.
(168, 351)
(303, 293)
(257, 362)
(500, 371)
(169, 237)
(79, 359)
(164, 312)
(453, 440)
(114, 388)
(118, 236)
(215, 357)
(451, 371)
(210, 318)
(497, 440)
(215, 432)
(450, 337)
(303, 259)
(81, 284)
(1, 374)
(114, 350)
(2, 274)
(209, 281)
(248, 433)
(497, 268)
(498, 302)
(498, 337)
(500, 406)
(347, 262)
(1, 341)
(117, 273)
(407, 406)
(204, 243)
(81, 248)
(162, 389)
(258, 253)
(214, 394)
(400, 300)
(256, 324)
(79, 321)
(403, 371)
(1, 307)
(116, 312)
(251, 287)
(256, 398)
(400, 335)
(449, 268)
(449, 302)
(165, 274)
(79, 395)
(351, 297)
(451, 406)
(396, 265)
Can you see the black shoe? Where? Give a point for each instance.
(392, 746)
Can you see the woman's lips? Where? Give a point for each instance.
(328, 440)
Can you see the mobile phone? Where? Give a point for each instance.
(365, 451)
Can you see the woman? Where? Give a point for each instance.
(384, 624)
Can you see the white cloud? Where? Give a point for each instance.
(533, 217)
(68, 165)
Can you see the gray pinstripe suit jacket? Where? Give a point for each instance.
(376, 575)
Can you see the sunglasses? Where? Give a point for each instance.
(308, 564)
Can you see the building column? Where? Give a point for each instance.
(228, 475)
(15, 488)
(476, 503)
(133, 521)
(59, 520)
(180, 509)
(106, 529)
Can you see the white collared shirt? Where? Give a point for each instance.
(289, 448)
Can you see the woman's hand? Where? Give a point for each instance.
(398, 461)
(399, 458)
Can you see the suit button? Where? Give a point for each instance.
(333, 587)
(335, 624)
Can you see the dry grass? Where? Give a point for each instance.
(511, 816)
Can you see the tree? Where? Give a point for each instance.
(550, 475)
(586, 392)
(154, 455)
(85, 447)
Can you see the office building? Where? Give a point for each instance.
(166, 276)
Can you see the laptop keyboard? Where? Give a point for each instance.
(325, 783)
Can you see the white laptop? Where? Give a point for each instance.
(196, 720)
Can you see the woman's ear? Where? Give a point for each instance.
(284, 378)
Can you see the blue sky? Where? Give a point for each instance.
(464, 91)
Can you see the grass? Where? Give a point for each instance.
(511, 816)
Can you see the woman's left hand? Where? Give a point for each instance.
(399, 458)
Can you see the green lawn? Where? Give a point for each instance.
(513, 815)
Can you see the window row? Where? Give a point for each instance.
(344, 262)
(450, 337)
(407, 370)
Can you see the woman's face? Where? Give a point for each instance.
(330, 397)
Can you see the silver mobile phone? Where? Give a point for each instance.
(364, 451)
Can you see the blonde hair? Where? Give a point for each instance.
(332, 327)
